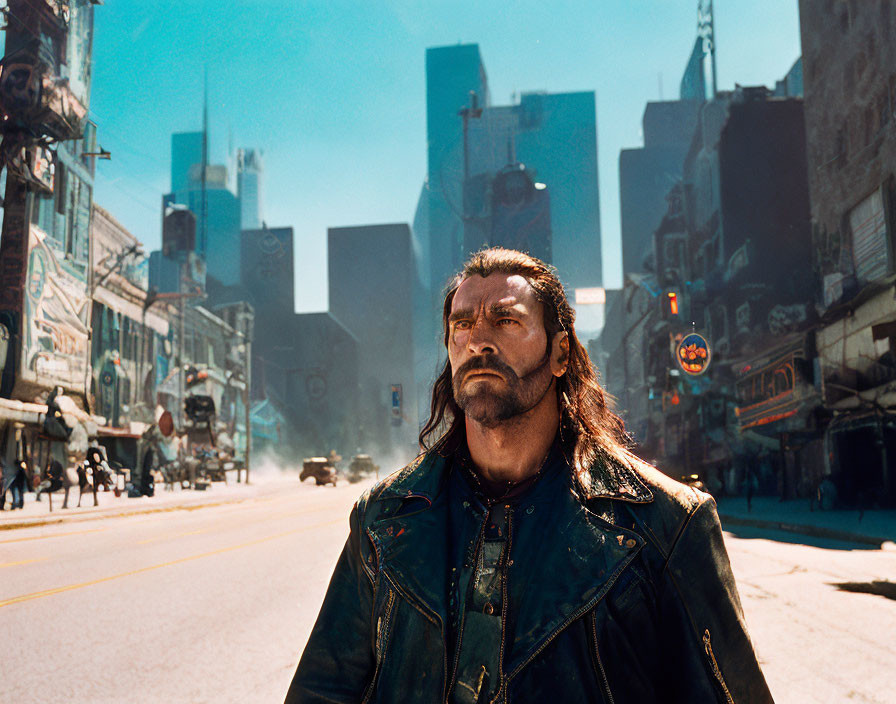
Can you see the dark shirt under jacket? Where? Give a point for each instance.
(483, 516)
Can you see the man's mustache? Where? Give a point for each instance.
(485, 363)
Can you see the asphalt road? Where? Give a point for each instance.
(215, 604)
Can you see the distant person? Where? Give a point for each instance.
(527, 556)
(14, 481)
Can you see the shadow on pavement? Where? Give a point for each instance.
(877, 587)
(783, 536)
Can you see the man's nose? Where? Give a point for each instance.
(480, 340)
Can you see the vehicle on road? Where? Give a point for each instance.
(361, 466)
(320, 468)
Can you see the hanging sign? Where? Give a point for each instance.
(693, 354)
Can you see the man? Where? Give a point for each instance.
(528, 556)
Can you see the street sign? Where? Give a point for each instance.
(396, 400)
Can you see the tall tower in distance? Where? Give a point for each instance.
(249, 172)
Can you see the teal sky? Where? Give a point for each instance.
(334, 93)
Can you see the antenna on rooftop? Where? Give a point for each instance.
(706, 28)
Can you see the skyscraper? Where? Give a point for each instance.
(554, 136)
(216, 207)
(371, 286)
(249, 180)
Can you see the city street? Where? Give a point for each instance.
(214, 604)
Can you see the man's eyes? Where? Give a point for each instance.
(467, 324)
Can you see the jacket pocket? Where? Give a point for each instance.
(598, 663)
(717, 673)
(383, 631)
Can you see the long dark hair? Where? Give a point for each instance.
(588, 428)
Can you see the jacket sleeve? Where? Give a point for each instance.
(338, 661)
(710, 656)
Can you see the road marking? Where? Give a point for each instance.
(23, 562)
(71, 587)
(54, 535)
(291, 514)
(176, 535)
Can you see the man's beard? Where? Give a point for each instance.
(489, 406)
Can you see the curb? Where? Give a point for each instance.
(117, 512)
(805, 529)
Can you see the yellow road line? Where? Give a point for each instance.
(23, 562)
(54, 535)
(70, 587)
(176, 535)
(291, 514)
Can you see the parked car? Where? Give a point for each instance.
(319, 468)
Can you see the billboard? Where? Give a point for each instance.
(55, 332)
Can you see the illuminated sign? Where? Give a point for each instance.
(673, 303)
(693, 354)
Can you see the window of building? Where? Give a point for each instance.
(868, 226)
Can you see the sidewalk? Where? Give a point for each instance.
(875, 527)
(38, 514)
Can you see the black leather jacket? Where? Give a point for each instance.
(625, 596)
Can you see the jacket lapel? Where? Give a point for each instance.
(563, 563)
(562, 566)
(412, 544)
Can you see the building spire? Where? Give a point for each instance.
(203, 219)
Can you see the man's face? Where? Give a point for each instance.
(501, 365)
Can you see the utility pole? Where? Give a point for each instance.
(247, 332)
(712, 49)
(468, 112)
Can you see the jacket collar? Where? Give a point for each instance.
(608, 478)
(585, 556)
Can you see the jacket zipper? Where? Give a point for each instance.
(506, 570)
(460, 628)
(600, 664)
(383, 624)
(707, 646)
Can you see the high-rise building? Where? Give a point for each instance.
(266, 268)
(849, 55)
(186, 161)
(249, 179)
(371, 286)
(552, 138)
(647, 174)
(451, 74)
(216, 207)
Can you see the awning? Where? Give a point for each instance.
(131, 310)
(34, 413)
